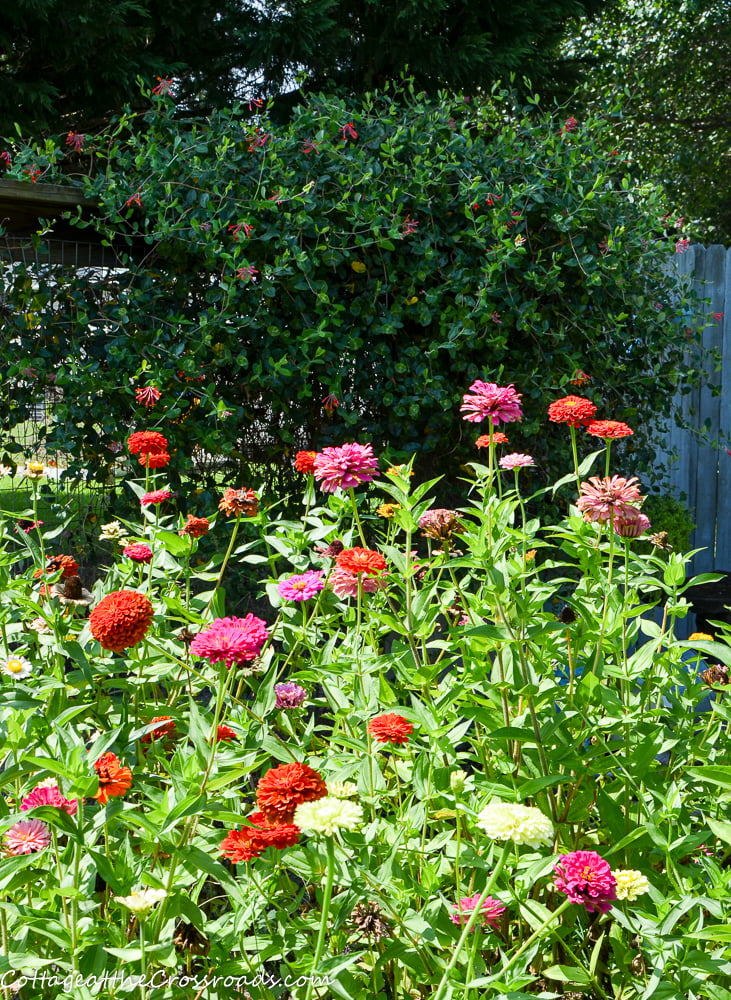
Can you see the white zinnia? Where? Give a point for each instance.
(327, 815)
(630, 883)
(342, 789)
(142, 901)
(17, 667)
(512, 821)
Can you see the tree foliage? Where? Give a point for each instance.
(386, 253)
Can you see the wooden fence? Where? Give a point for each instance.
(701, 476)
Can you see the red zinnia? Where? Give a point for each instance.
(156, 496)
(572, 410)
(167, 730)
(390, 728)
(195, 526)
(67, 565)
(146, 443)
(121, 619)
(251, 841)
(304, 461)
(359, 560)
(115, 780)
(154, 459)
(608, 429)
(226, 733)
(283, 788)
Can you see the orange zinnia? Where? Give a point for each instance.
(115, 779)
(359, 560)
(283, 788)
(121, 619)
(572, 410)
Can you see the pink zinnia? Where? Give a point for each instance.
(586, 878)
(27, 836)
(608, 498)
(345, 584)
(139, 552)
(48, 795)
(500, 404)
(491, 910)
(631, 523)
(302, 586)
(233, 640)
(156, 496)
(516, 460)
(346, 466)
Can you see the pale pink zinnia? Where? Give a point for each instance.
(500, 403)
(345, 584)
(491, 910)
(26, 837)
(608, 498)
(344, 467)
(631, 523)
(232, 640)
(302, 586)
(48, 795)
(586, 878)
(516, 460)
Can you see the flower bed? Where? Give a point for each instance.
(457, 757)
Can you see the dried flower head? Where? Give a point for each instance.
(440, 524)
(717, 674)
(368, 920)
(188, 940)
(289, 695)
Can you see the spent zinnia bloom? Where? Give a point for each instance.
(516, 460)
(231, 640)
(138, 552)
(586, 878)
(499, 404)
(142, 901)
(304, 461)
(512, 821)
(115, 778)
(48, 795)
(17, 667)
(283, 788)
(608, 429)
(717, 674)
(239, 503)
(630, 883)
(631, 523)
(390, 728)
(344, 467)
(26, 837)
(572, 410)
(490, 911)
(368, 921)
(328, 815)
(440, 524)
(195, 527)
(289, 695)
(302, 586)
(359, 560)
(251, 841)
(121, 619)
(608, 498)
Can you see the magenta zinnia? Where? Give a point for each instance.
(231, 640)
(302, 586)
(344, 467)
(606, 499)
(48, 794)
(586, 878)
(500, 403)
(490, 911)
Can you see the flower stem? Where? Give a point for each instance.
(327, 895)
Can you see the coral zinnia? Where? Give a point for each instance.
(154, 459)
(359, 560)
(501, 404)
(586, 878)
(390, 728)
(631, 523)
(166, 731)
(608, 429)
(343, 583)
(304, 461)
(239, 503)
(115, 779)
(251, 841)
(146, 443)
(67, 565)
(498, 437)
(490, 911)
(606, 499)
(121, 619)
(156, 496)
(572, 410)
(344, 467)
(195, 527)
(283, 788)
(26, 837)
(231, 640)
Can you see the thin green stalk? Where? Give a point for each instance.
(326, 897)
(224, 564)
(533, 937)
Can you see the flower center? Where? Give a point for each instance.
(15, 666)
(299, 584)
(587, 874)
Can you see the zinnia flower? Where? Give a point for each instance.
(572, 410)
(239, 503)
(17, 667)
(113, 532)
(141, 902)
(231, 640)
(718, 674)
(630, 883)
(608, 429)
(166, 731)
(147, 395)
(146, 443)
(226, 734)
(342, 789)
(440, 524)
(343, 583)
(605, 499)
(359, 560)
(512, 821)
(328, 815)
(515, 461)
(121, 619)
(499, 404)
(388, 509)
(154, 460)
(390, 728)
(490, 911)
(66, 564)
(283, 788)
(344, 467)
(289, 695)
(115, 779)
(498, 437)
(251, 841)
(48, 795)
(302, 586)
(304, 461)
(26, 837)
(631, 523)
(195, 527)
(138, 552)
(586, 878)
(154, 497)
